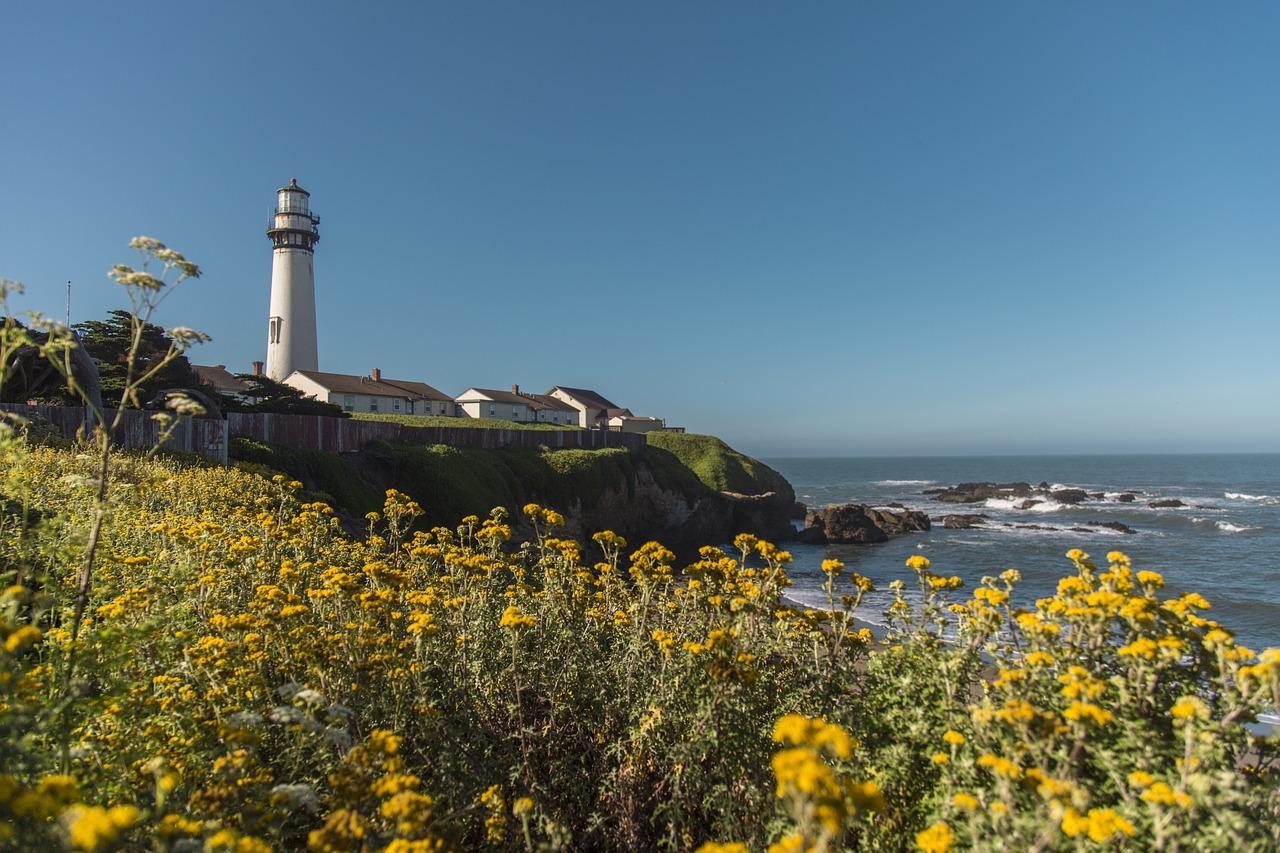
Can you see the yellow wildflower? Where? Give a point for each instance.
(938, 838)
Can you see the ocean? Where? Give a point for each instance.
(1224, 544)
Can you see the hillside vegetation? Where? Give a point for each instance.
(249, 677)
(717, 464)
(452, 482)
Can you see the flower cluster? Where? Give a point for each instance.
(249, 676)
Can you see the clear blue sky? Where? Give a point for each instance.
(821, 228)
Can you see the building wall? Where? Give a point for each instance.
(586, 414)
(380, 403)
(553, 416)
(634, 425)
(513, 412)
(291, 332)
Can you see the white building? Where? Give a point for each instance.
(291, 321)
(515, 406)
(636, 423)
(373, 393)
(593, 410)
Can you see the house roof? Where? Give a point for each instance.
(343, 383)
(630, 417)
(590, 399)
(543, 401)
(222, 380)
(533, 401)
(497, 396)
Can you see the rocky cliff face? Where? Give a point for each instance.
(652, 495)
(682, 518)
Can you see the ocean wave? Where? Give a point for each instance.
(1016, 504)
(905, 482)
(1228, 527)
(1241, 496)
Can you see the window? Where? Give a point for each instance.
(408, 407)
(274, 326)
(373, 404)
(396, 405)
(493, 409)
(348, 403)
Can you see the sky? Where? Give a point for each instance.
(845, 228)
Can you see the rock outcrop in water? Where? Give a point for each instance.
(859, 524)
(971, 493)
(963, 521)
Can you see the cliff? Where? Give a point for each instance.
(684, 490)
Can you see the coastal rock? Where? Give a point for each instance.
(1127, 498)
(962, 521)
(1171, 503)
(811, 536)
(1113, 525)
(1029, 503)
(798, 511)
(1069, 496)
(968, 493)
(859, 524)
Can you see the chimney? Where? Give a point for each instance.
(257, 368)
(375, 375)
(515, 389)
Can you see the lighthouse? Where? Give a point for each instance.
(291, 324)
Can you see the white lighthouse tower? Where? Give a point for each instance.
(291, 326)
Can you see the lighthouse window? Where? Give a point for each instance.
(273, 329)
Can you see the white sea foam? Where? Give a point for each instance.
(1241, 496)
(905, 482)
(1016, 504)
(1228, 527)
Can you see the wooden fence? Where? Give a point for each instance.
(209, 437)
(342, 435)
(205, 437)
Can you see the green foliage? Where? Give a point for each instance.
(108, 342)
(252, 676)
(330, 476)
(716, 464)
(450, 482)
(267, 395)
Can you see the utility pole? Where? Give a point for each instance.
(68, 304)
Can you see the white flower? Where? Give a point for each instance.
(285, 714)
(296, 797)
(338, 737)
(245, 720)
